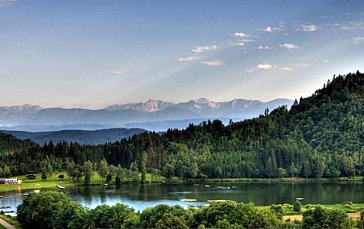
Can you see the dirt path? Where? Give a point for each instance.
(292, 217)
(354, 215)
(6, 224)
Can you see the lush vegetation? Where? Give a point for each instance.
(320, 136)
(55, 210)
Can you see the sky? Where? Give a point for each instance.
(94, 53)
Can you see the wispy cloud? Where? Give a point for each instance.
(358, 40)
(287, 69)
(352, 25)
(264, 66)
(263, 47)
(212, 63)
(288, 46)
(201, 49)
(187, 58)
(308, 28)
(6, 2)
(240, 35)
(243, 37)
(117, 72)
(271, 29)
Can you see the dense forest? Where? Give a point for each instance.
(319, 136)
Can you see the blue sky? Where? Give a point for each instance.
(93, 53)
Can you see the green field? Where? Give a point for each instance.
(53, 180)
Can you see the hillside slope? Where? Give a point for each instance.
(94, 137)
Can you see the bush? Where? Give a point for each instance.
(50, 210)
(297, 206)
(236, 214)
(324, 218)
(118, 216)
(44, 176)
(278, 210)
(152, 217)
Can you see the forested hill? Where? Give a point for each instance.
(89, 137)
(320, 136)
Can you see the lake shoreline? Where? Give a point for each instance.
(53, 182)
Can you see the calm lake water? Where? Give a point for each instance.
(142, 196)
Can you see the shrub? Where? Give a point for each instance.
(297, 206)
(44, 176)
(324, 218)
(278, 210)
(50, 210)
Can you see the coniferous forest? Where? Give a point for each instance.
(319, 136)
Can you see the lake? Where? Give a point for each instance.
(141, 196)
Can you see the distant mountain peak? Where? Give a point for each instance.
(151, 105)
(22, 107)
(203, 102)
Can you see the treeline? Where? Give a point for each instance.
(320, 136)
(55, 210)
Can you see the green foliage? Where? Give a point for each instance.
(232, 213)
(324, 218)
(154, 217)
(87, 171)
(103, 169)
(278, 210)
(118, 216)
(49, 210)
(297, 206)
(171, 221)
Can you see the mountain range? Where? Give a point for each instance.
(154, 115)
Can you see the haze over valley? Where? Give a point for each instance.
(153, 115)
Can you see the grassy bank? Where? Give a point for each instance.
(285, 179)
(53, 180)
(11, 220)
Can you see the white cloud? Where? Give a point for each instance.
(264, 66)
(271, 29)
(358, 40)
(308, 28)
(188, 58)
(325, 60)
(268, 29)
(240, 35)
(238, 43)
(118, 72)
(263, 47)
(287, 68)
(201, 49)
(212, 63)
(352, 25)
(243, 37)
(288, 46)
